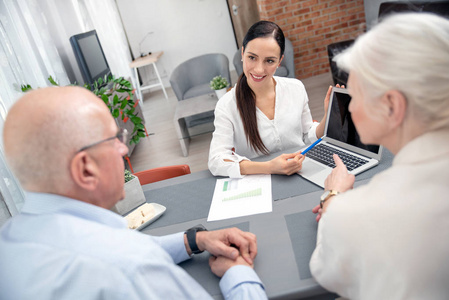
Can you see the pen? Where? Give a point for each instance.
(313, 145)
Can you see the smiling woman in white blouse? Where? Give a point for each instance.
(262, 113)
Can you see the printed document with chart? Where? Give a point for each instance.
(245, 196)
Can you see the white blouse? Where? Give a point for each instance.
(292, 126)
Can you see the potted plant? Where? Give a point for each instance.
(219, 84)
(133, 195)
(118, 95)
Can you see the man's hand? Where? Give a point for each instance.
(230, 243)
(287, 164)
(219, 265)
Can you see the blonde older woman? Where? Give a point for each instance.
(389, 238)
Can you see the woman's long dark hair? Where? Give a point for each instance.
(246, 99)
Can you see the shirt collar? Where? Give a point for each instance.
(429, 145)
(44, 203)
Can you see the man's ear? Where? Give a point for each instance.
(396, 105)
(84, 171)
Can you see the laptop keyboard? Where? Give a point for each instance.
(323, 154)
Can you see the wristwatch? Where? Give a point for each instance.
(191, 237)
(327, 195)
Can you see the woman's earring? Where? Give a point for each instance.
(241, 59)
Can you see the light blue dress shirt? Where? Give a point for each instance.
(61, 248)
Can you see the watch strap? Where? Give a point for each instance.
(191, 238)
(331, 194)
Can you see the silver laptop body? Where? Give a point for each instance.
(340, 135)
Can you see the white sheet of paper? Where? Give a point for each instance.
(245, 196)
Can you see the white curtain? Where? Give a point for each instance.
(27, 56)
(105, 19)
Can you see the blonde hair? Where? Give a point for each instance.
(408, 52)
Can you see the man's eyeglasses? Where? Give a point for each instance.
(122, 136)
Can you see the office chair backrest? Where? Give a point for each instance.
(162, 173)
(437, 7)
(197, 72)
(441, 8)
(338, 75)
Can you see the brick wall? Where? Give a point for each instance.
(311, 25)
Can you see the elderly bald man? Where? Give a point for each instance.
(66, 150)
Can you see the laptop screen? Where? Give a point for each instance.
(340, 126)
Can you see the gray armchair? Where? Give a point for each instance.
(192, 78)
(286, 69)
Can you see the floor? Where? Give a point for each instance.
(162, 147)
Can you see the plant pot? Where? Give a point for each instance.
(133, 197)
(220, 93)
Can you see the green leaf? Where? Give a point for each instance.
(124, 103)
(136, 120)
(115, 100)
(140, 126)
(218, 83)
(115, 113)
(105, 99)
(117, 80)
(100, 81)
(25, 88)
(128, 175)
(52, 81)
(140, 134)
(103, 90)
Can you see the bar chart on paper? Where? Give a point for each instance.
(241, 197)
(252, 193)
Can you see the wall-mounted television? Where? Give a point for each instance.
(90, 56)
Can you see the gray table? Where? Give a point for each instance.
(286, 237)
(188, 108)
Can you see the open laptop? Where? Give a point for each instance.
(341, 138)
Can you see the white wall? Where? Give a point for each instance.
(181, 28)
